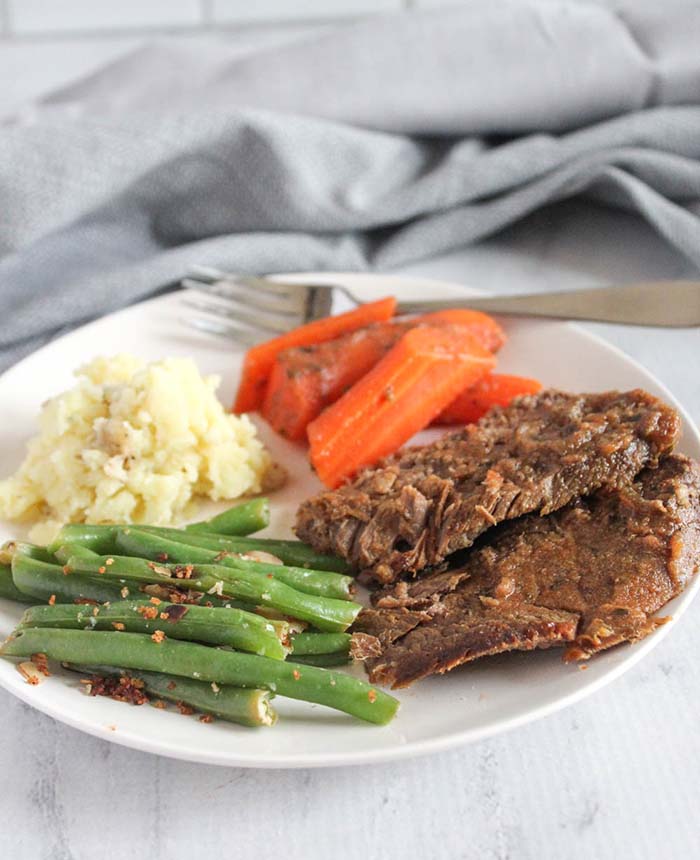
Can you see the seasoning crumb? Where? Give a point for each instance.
(109, 562)
(389, 393)
(155, 601)
(159, 703)
(52, 600)
(102, 569)
(112, 728)
(29, 669)
(95, 611)
(185, 709)
(158, 636)
(124, 592)
(206, 718)
(583, 667)
(41, 661)
(149, 612)
(118, 625)
(372, 696)
(215, 687)
(66, 570)
(172, 685)
(296, 674)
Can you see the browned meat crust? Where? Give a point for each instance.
(537, 454)
(589, 576)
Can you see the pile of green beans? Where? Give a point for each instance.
(201, 615)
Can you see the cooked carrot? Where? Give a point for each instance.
(259, 359)
(494, 389)
(484, 328)
(403, 393)
(304, 380)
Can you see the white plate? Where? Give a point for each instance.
(473, 702)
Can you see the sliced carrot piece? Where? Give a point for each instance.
(306, 379)
(484, 328)
(259, 359)
(401, 395)
(494, 389)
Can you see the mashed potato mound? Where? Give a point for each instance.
(133, 442)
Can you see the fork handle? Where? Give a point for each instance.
(671, 304)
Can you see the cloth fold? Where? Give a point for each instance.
(355, 146)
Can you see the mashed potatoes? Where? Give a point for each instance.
(133, 442)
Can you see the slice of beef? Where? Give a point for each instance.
(588, 576)
(538, 454)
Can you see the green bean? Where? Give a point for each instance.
(204, 663)
(102, 539)
(99, 538)
(9, 590)
(323, 612)
(43, 581)
(234, 704)
(64, 552)
(11, 547)
(241, 630)
(335, 658)
(311, 642)
(289, 552)
(239, 520)
(144, 544)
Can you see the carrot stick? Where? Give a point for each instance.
(403, 393)
(304, 380)
(260, 358)
(484, 328)
(494, 389)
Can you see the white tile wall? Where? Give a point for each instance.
(52, 16)
(278, 10)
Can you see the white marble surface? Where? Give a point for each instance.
(613, 777)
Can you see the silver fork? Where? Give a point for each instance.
(249, 309)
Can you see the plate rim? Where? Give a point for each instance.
(410, 749)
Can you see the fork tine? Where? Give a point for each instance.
(256, 320)
(213, 276)
(227, 290)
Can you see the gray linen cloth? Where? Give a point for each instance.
(351, 147)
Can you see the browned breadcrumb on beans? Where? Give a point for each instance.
(158, 636)
(155, 601)
(372, 696)
(118, 625)
(296, 674)
(41, 661)
(159, 703)
(52, 600)
(206, 718)
(85, 601)
(121, 689)
(172, 685)
(185, 709)
(124, 592)
(148, 612)
(66, 570)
